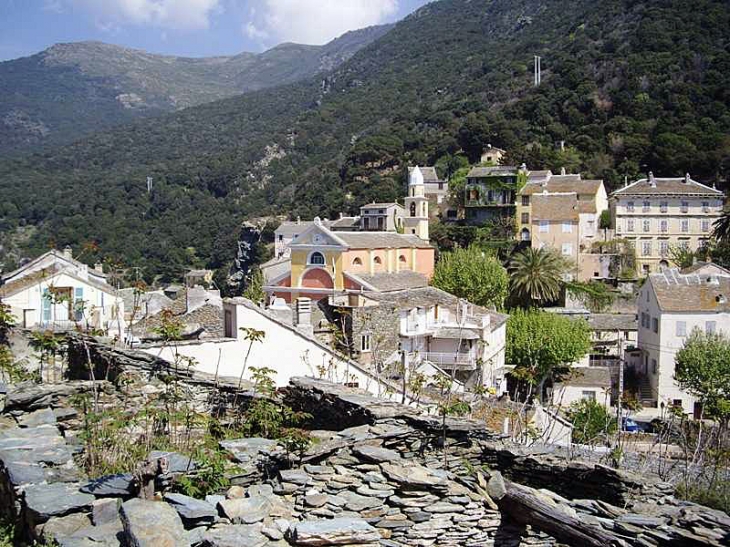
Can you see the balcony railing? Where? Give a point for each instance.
(464, 360)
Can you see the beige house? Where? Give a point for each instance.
(670, 306)
(656, 214)
(492, 155)
(57, 292)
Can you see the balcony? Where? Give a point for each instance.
(460, 360)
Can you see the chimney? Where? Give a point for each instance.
(281, 311)
(652, 180)
(489, 146)
(562, 146)
(303, 315)
(299, 220)
(99, 267)
(68, 252)
(562, 170)
(686, 178)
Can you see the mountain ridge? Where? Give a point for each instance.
(73, 89)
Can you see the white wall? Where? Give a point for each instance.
(565, 394)
(284, 349)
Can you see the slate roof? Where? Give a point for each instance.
(667, 186)
(613, 321)
(589, 377)
(395, 281)
(424, 297)
(60, 257)
(555, 207)
(564, 184)
(381, 240)
(703, 267)
(496, 170)
(690, 293)
(275, 268)
(429, 174)
(208, 316)
(380, 206)
(344, 223)
(22, 283)
(289, 229)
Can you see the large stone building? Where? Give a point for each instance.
(670, 306)
(656, 214)
(490, 192)
(381, 217)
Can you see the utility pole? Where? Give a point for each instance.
(620, 341)
(149, 185)
(538, 71)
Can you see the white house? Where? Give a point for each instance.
(670, 306)
(55, 291)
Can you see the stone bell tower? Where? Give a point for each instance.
(415, 221)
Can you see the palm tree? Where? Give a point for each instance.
(721, 227)
(536, 275)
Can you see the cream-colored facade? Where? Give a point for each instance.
(656, 214)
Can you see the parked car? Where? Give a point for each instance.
(629, 425)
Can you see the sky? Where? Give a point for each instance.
(195, 28)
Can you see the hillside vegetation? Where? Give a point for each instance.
(71, 90)
(630, 86)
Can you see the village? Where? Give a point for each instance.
(351, 309)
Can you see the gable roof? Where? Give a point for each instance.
(381, 206)
(666, 186)
(319, 226)
(491, 171)
(563, 184)
(46, 274)
(386, 282)
(706, 268)
(381, 240)
(589, 377)
(59, 257)
(676, 292)
(429, 174)
(555, 207)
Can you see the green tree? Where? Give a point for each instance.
(721, 227)
(474, 275)
(591, 421)
(681, 256)
(543, 345)
(255, 287)
(703, 369)
(536, 276)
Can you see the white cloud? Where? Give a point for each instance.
(171, 14)
(315, 21)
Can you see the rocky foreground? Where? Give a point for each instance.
(381, 480)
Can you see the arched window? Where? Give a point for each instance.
(402, 259)
(413, 208)
(525, 234)
(377, 260)
(316, 259)
(357, 261)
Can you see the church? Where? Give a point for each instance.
(328, 263)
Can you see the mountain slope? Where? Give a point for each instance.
(71, 90)
(628, 85)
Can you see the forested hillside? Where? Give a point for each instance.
(630, 86)
(71, 90)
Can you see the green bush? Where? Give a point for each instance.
(591, 422)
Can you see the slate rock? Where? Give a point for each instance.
(236, 535)
(356, 502)
(337, 531)
(246, 510)
(111, 485)
(59, 527)
(20, 473)
(177, 463)
(40, 417)
(105, 511)
(193, 512)
(414, 475)
(295, 476)
(44, 501)
(248, 449)
(376, 454)
(152, 524)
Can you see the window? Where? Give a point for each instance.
(281, 237)
(525, 234)
(525, 218)
(79, 303)
(365, 342)
(316, 259)
(710, 327)
(664, 206)
(647, 225)
(377, 260)
(588, 395)
(646, 206)
(591, 225)
(525, 201)
(685, 225)
(684, 207)
(646, 248)
(655, 324)
(654, 367)
(413, 208)
(228, 324)
(630, 225)
(663, 226)
(567, 249)
(705, 225)
(357, 261)
(46, 306)
(544, 226)
(677, 403)
(705, 206)
(630, 206)
(684, 245)
(402, 259)
(663, 248)
(681, 328)
(567, 227)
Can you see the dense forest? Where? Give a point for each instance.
(629, 86)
